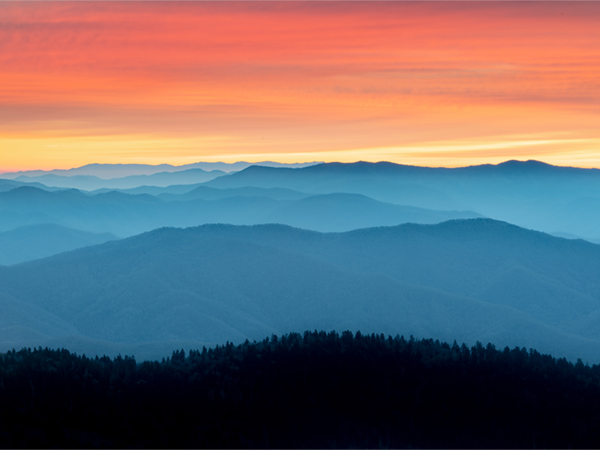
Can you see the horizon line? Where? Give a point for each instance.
(306, 163)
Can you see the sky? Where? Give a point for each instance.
(424, 83)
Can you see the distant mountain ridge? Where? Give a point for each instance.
(9, 185)
(467, 280)
(91, 183)
(126, 215)
(108, 171)
(530, 194)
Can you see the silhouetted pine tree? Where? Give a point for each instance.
(308, 390)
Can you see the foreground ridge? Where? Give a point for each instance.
(310, 390)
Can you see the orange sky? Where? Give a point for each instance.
(426, 83)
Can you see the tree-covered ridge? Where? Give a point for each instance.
(469, 280)
(312, 391)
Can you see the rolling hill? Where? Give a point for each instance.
(39, 241)
(467, 280)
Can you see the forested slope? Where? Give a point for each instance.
(316, 390)
(467, 280)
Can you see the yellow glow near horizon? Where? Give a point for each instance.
(77, 151)
(445, 84)
(447, 155)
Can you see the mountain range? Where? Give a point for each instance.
(91, 183)
(376, 247)
(9, 185)
(108, 171)
(126, 214)
(469, 280)
(530, 194)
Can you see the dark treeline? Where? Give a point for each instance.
(314, 390)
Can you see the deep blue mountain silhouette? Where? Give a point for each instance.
(467, 280)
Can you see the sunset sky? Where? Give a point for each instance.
(424, 83)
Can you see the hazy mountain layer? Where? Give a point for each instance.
(9, 185)
(347, 178)
(107, 171)
(90, 183)
(530, 194)
(127, 215)
(182, 192)
(467, 280)
(176, 189)
(345, 212)
(208, 193)
(39, 241)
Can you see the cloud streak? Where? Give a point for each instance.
(377, 74)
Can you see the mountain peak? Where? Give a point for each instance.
(529, 164)
(28, 191)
